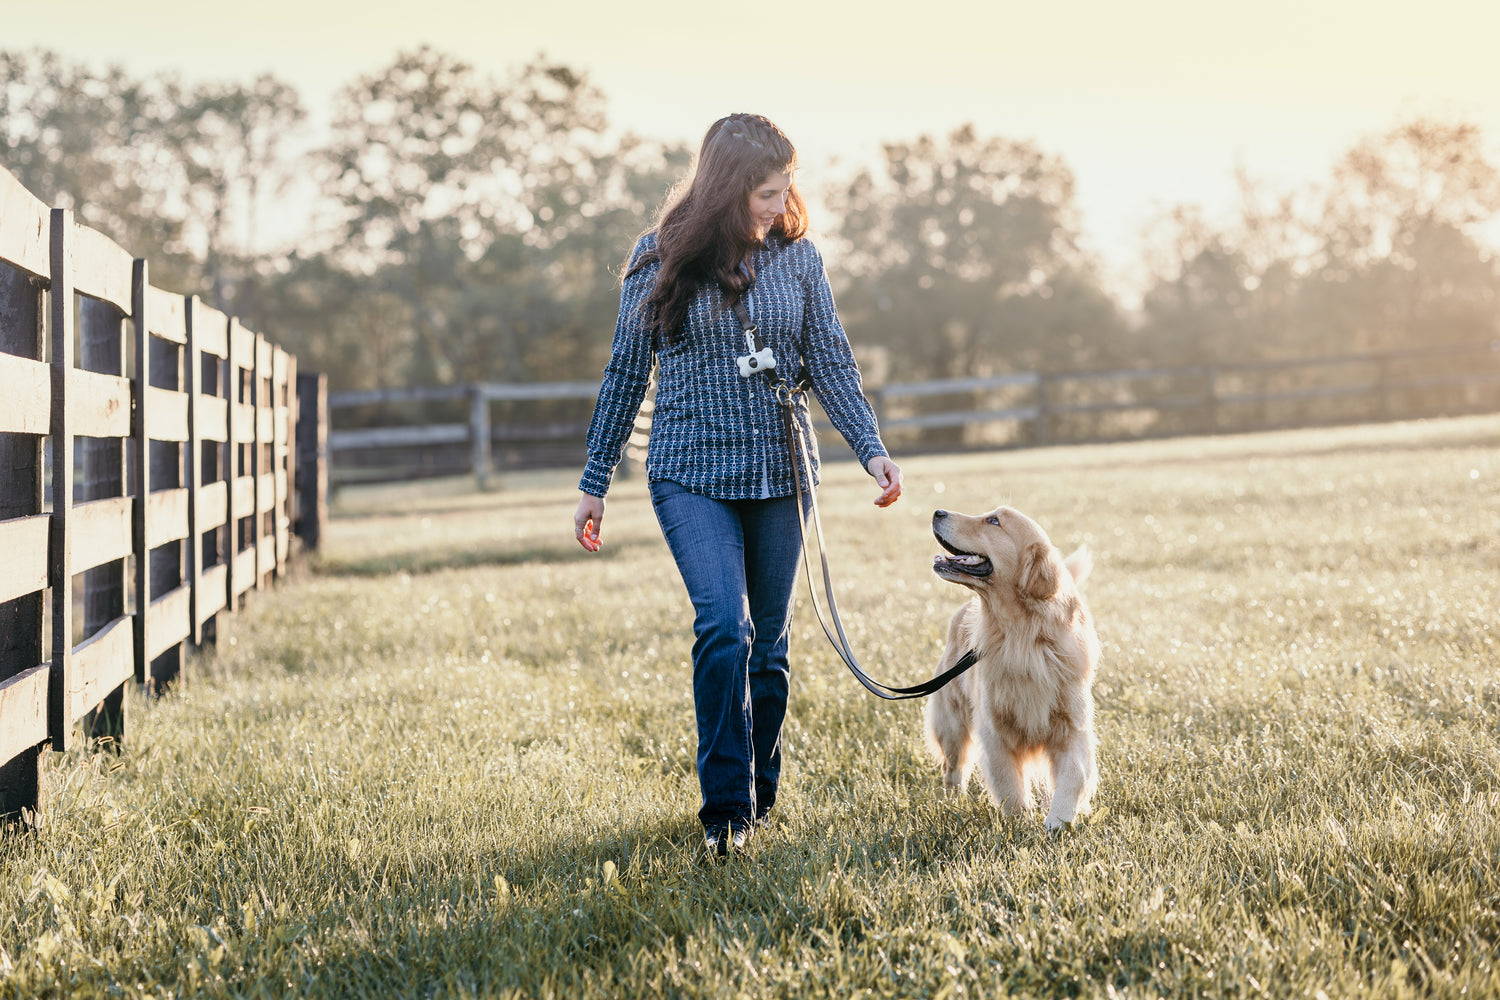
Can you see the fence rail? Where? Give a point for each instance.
(1006, 410)
(451, 446)
(149, 482)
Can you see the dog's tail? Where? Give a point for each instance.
(1079, 564)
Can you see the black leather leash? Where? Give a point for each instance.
(787, 394)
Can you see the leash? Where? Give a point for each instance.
(787, 394)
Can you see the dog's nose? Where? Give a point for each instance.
(938, 515)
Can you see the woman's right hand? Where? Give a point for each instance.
(586, 521)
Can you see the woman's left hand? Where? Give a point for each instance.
(888, 475)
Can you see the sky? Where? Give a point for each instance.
(1151, 103)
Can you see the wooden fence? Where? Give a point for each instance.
(476, 445)
(148, 481)
(999, 411)
(1030, 408)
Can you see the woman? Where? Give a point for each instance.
(720, 473)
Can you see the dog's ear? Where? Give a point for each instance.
(1039, 571)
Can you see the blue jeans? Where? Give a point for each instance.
(738, 559)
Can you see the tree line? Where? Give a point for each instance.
(461, 227)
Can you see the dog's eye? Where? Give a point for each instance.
(992, 519)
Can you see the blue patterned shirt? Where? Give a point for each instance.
(714, 431)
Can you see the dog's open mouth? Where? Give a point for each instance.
(967, 563)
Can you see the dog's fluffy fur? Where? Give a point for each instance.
(1027, 702)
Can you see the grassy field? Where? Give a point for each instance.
(453, 757)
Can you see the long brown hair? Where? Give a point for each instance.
(705, 231)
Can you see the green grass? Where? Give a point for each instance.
(454, 757)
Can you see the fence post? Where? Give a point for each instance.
(209, 346)
(312, 457)
(106, 473)
(158, 572)
(21, 620)
(141, 470)
(192, 461)
(233, 462)
(479, 434)
(1262, 381)
(60, 565)
(259, 379)
(1383, 386)
(1039, 432)
(1211, 399)
(287, 508)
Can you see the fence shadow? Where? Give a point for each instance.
(417, 562)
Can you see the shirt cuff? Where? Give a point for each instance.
(872, 450)
(596, 478)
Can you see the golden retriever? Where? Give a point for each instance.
(1028, 699)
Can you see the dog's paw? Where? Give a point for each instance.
(1087, 816)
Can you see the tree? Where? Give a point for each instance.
(1387, 255)
(1227, 292)
(963, 259)
(334, 320)
(434, 164)
(494, 211)
(95, 143)
(231, 144)
(1403, 262)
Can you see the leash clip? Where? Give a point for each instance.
(787, 392)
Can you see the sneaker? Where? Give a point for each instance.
(721, 841)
